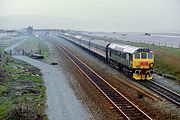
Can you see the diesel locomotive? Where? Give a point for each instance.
(136, 62)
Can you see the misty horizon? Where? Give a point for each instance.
(92, 15)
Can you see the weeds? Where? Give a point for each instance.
(22, 93)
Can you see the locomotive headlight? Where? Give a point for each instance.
(151, 65)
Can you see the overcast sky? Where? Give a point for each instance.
(127, 15)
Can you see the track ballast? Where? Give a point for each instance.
(120, 102)
(163, 91)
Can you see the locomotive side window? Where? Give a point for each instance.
(137, 55)
(143, 55)
(150, 55)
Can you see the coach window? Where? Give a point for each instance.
(143, 55)
(137, 56)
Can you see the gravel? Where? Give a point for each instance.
(171, 84)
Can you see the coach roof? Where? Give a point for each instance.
(99, 42)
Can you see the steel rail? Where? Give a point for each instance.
(123, 105)
(163, 91)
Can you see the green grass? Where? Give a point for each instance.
(5, 108)
(3, 89)
(34, 43)
(30, 43)
(32, 100)
(44, 49)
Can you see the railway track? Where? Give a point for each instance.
(163, 91)
(120, 102)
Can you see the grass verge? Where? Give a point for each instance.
(34, 43)
(22, 92)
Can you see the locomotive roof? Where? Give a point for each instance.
(124, 48)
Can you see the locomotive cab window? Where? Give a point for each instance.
(137, 56)
(143, 55)
(150, 55)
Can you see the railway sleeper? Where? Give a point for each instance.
(109, 93)
(126, 108)
(138, 117)
(115, 98)
(122, 105)
(130, 111)
(106, 89)
(115, 95)
(122, 101)
(131, 115)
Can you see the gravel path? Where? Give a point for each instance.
(61, 100)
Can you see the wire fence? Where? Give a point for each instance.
(159, 40)
(23, 52)
(173, 43)
(163, 44)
